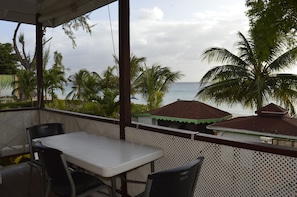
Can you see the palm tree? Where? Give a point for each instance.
(109, 79)
(25, 85)
(77, 80)
(54, 78)
(154, 82)
(109, 84)
(136, 67)
(247, 78)
(109, 104)
(109, 93)
(91, 88)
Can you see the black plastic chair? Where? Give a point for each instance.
(38, 131)
(61, 180)
(176, 182)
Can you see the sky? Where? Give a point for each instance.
(169, 33)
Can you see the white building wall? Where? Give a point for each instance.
(239, 136)
(145, 120)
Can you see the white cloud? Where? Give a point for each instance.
(151, 14)
(179, 44)
(176, 43)
(93, 52)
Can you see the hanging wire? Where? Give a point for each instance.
(111, 31)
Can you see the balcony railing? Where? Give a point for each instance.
(231, 168)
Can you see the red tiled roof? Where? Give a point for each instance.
(271, 119)
(190, 110)
(272, 110)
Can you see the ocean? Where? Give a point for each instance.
(187, 91)
(183, 91)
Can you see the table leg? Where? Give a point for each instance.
(153, 166)
(124, 189)
(113, 186)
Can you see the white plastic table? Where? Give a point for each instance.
(102, 155)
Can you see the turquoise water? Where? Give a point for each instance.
(183, 91)
(178, 91)
(187, 91)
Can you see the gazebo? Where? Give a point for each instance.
(188, 115)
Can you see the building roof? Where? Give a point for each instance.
(190, 112)
(52, 12)
(272, 110)
(270, 120)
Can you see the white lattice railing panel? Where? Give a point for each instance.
(78, 123)
(226, 171)
(13, 139)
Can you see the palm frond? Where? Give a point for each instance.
(286, 60)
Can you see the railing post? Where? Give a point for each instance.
(39, 62)
(124, 67)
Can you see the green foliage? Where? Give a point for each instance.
(56, 104)
(137, 65)
(8, 60)
(54, 78)
(138, 108)
(77, 80)
(14, 105)
(95, 94)
(271, 21)
(92, 108)
(109, 103)
(25, 85)
(248, 78)
(73, 25)
(91, 87)
(103, 90)
(74, 105)
(109, 79)
(154, 82)
(6, 81)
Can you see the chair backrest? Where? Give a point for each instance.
(55, 165)
(43, 130)
(176, 182)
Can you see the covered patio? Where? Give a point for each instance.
(47, 13)
(231, 168)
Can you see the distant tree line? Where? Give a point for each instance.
(92, 92)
